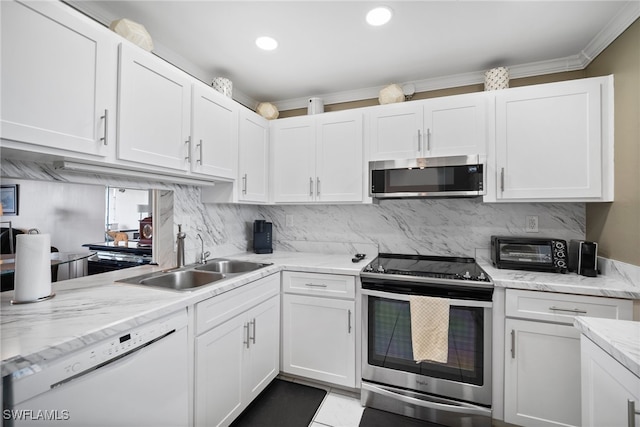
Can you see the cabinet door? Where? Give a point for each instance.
(154, 110)
(607, 386)
(318, 339)
(253, 158)
(396, 131)
(214, 144)
(339, 157)
(455, 125)
(263, 361)
(58, 78)
(219, 370)
(549, 141)
(542, 374)
(293, 145)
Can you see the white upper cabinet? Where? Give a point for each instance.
(58, 78)
(293, 154)
(254, 157)
(455, 126)
(396, 131)
(318, 158)
(214, 143)
(447, 126)
(154, 110)
(339, 158)
(554, 142)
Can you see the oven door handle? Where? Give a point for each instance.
(404, 297)
(457, 407)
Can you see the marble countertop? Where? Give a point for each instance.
(91, 308)
(569, 283)
(619, 338)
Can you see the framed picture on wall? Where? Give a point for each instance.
(9, 199)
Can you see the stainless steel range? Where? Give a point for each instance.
(455, 393)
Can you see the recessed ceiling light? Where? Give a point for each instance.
(379, 16)
(266, 43)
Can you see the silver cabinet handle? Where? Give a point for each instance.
(419, 141)
(513, 344)
(428, 139)
(246, 334)
(569, 310)
(105, 136)
(244, 184)
(317, 186)
(188, 144)
(253, 338)
(314, 285)
(349, 321)
(310, 186)
(631, 412)
(502, 180)
(199, 161)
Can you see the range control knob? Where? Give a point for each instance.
(466, 275)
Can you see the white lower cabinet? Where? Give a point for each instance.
(607, 389)
(542, 354)
(319, 330)
(542, 374)
(239, 356)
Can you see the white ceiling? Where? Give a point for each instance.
(327, 50)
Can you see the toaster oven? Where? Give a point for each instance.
(529, 253)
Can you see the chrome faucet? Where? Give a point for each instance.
(203, 254)
(180, 242)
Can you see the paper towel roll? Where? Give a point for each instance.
(32, 267)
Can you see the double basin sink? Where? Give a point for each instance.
(191, 277)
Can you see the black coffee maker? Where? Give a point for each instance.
(262, 243)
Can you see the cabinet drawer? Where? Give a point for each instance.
(562, 308)
(331, 285)
(218, 309)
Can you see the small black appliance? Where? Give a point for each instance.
(529, 253)
(262, 237)
(583, 257)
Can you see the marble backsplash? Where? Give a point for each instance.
(422, 226)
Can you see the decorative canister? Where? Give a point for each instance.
(223, 85)
(496, 78)
(315, 106)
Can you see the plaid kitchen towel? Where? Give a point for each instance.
(429, 328)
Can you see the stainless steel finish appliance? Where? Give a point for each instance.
(583, 257)
(262, 237)
(456, 176)
(529, 253)
(456, 393)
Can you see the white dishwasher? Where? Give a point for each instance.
(139, 378)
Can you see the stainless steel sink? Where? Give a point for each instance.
(191, 277)
(182, 280)
(230, 266)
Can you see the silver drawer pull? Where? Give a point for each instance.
(569, 310)
(631, 412)
(316, 285)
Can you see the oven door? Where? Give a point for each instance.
(463, 385)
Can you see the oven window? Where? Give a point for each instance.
(389, 341)
(526, 253)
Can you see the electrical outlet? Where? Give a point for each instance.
(288, 220)
(531, 224)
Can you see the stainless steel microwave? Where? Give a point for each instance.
(455, 176)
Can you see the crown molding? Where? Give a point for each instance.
(618, 24)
